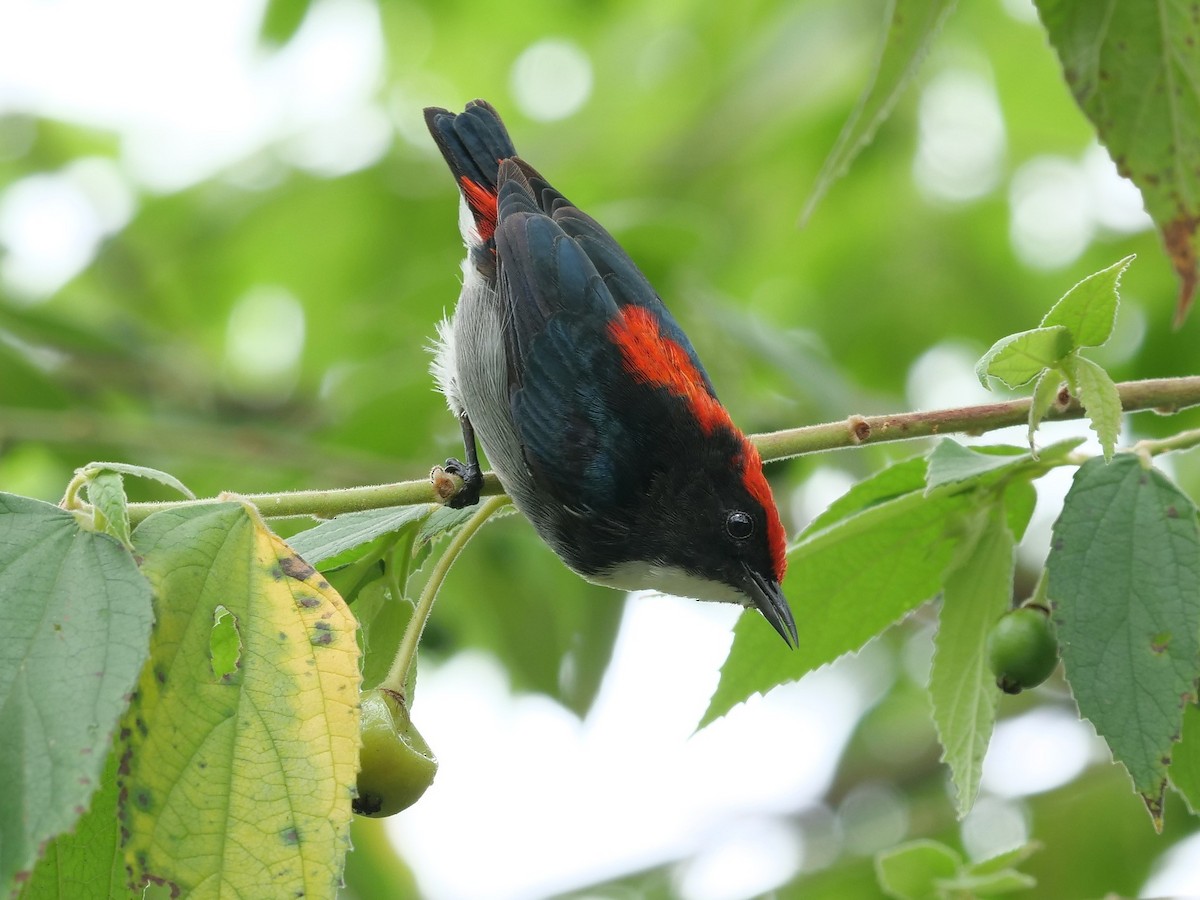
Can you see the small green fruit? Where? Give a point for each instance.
(1022, 650)
(395, 763)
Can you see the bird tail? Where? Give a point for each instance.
(473, 143)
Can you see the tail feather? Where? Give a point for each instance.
(473, 142)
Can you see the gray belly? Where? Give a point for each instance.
(480, 372)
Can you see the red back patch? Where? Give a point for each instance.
(657, 360)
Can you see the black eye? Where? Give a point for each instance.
(739, 525)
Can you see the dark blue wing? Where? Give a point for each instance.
(623, 278)
(567, 387)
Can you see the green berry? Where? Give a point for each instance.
(1022, 650)
(395, 763)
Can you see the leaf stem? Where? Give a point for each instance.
(1163, 395)
(71, 499)
(397, 676)
(1184, 440)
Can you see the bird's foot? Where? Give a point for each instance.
(457, 484)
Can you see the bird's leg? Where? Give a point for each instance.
(469, 471)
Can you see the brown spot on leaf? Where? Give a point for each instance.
(1179, 238)
(1154, 804)
(322, 638)
(1160, 642)
(1172, 512)
(143, 799)
(308, 601)
(290, 836)
(295, 567)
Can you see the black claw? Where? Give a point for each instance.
(468, 494)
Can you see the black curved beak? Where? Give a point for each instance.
(769, 600)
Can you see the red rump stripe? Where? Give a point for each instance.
(657, 360)
(483, 207)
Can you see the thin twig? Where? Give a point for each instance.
(1164, 395)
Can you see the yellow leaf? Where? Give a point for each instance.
(238, 783)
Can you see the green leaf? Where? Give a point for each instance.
(1006, 860)
(1019, 358)
(1020, 500)
(977, 592)
(86, 863)
(351, 578)
(1099, 398)
(242, 786)
(224, 645)
(1045, 397)
(912, 26)
(282, 19)
(1089, 310)
(329, 544)
(77, 617)
(952, 463)
(444, 520)
(854, 579)
(911, 871)
(993, 884)
(1124, 586)
(106, 492)
(993, 876)
(898, 479)
(169, 480)
(383, 619)
(1135, 73)
(1185, 760)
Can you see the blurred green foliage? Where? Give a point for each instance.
(701, 136)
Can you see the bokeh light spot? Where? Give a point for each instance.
(961, 141)
(49, 231)
(1035, 752)
(754, 857)
(994, 826)
(1051, 222)
(263, 345)
(551, 79)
